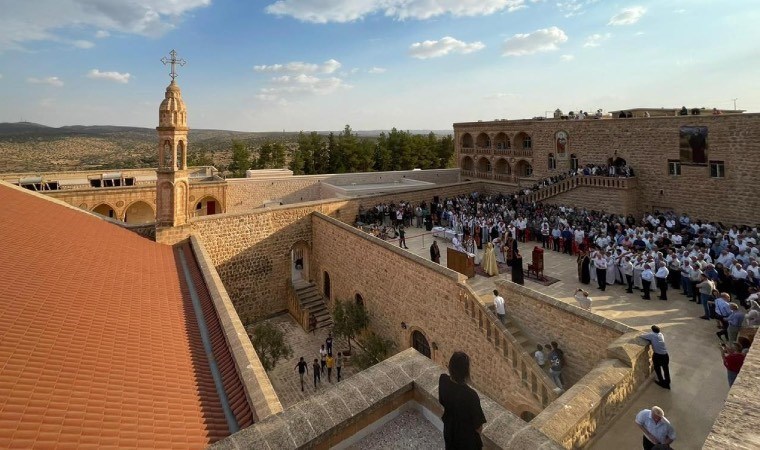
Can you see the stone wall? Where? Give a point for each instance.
(342, 410)
(397, 286)
(591, 405)
(647, 144)
(582, 335)
(735, 426)
(260, 394)
(245, 194)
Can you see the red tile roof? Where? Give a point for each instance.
(99, 344)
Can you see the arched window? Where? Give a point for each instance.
(359, 300)
(573, 162)
(527, 143)
(552, 162)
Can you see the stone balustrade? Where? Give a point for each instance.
(578, 181)
(523, 365)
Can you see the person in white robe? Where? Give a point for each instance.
(489, 263)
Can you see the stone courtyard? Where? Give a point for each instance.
(699, 386)
(285, 378)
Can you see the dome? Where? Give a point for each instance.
(172, 112)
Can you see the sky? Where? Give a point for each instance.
(272, 65)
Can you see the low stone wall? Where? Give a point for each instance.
(592, 403)
(582, 336)
(147, 231)
(342, 410)
(258, 388)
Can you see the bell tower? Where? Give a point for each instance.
(172, 185)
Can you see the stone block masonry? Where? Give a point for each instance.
(397, 286)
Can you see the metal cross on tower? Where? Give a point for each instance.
(173, 61)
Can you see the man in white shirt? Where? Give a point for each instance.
(646, 281)
(600, 262)
(656, 428)
(662, 280)
(627, 267)
(498, 303)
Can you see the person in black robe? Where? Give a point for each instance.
(510, 249)
(463, 417)
(584, 276)
(517, 268)
(435, 253)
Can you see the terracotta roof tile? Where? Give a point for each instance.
(99, 344)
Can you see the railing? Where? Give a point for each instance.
(580, 180)
(294, 307)
(505, 177)
(486, 175)
(523, 365)
(509, 152)
(467, 150)
(468, 173)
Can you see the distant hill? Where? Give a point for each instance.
(31, 147)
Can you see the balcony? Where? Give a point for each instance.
(506, 152)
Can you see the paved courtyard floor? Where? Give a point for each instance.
(284, 376)
(699, 385)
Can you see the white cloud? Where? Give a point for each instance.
(328, 66)
(100, 34)
(112, 76)
(83, 44)
(43, 20)
(301, 84)
(543, 40)
(628, 16)
(571, 8)
(52, 81)
(435, 49)
(322, 11)
(376, 70)
(595, 40)
(567, 57)
(498, 96)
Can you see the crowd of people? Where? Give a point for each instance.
(709, 263)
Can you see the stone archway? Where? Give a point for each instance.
(467, 141)
(484, 165)
(299, 262)
(139, 213)
(207, 206)
(467, 163)
(523, 168)
(502, 167)
(502, 141)
(106, 210)
(420, 343)
(483, 141)
(523, 141)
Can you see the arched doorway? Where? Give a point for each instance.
(503, 167)
(104, 209)
(523, 168)
(208, 206)
(484, 165)
(619, 162)
(420, 343)
(501, 141)
(139, 213)
(299, 261)
(359, 300)
(467, 163)
(326, 287)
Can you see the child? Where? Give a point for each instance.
(584, 301)
(540, 356)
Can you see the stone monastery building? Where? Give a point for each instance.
(122, 293)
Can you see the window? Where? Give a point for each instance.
(674, 167)
(527, 143)
(717, 169)
(552, 162)
(573, 162)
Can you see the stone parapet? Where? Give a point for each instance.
(344, 409)
(258, 388)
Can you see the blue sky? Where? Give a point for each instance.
(413, 64)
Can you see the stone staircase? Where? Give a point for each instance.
(312, 302)
(578, 181)
(486, 297)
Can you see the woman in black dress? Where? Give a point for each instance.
(517, 268)
(463, 417)
(584, 276)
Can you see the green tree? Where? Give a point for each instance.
(320, 153)
(382, 154)
(270, 345)
(199, 157)
(278, 156)
(241, 160)
(375, 348)
(445, 153)
(349, 319)
(264, 160)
